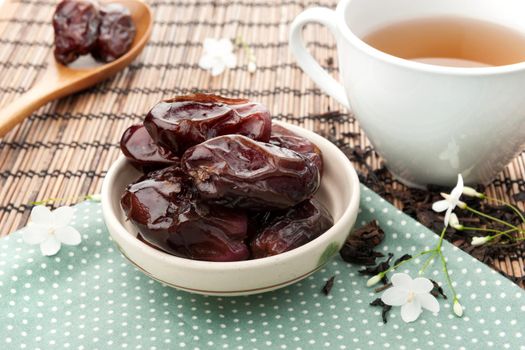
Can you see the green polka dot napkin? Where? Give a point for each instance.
(89, 297)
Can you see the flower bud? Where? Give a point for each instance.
(469, 191)
(374, 280)
(454, 222)
(252, 67)
(480, 240)
(458, 309)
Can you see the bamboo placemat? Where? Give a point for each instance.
(65, 148)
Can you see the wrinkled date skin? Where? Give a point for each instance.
(238, 172)
(285, 138)
(284, 231)
(164, 207)
(142, 152)
(186, 121)
(116, 33)
(76, 24)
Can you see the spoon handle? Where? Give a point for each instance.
(21, 108)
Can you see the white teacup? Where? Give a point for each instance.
(428, 122)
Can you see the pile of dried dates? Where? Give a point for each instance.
(84, 26)
(220, 182)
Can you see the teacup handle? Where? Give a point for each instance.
(306, 61)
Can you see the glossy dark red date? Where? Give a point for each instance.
(186, 121)
(76, 24)
(238, 172)
(164, 207)
(116, 33)
(283, 137)
(286, 230)
(142, 152)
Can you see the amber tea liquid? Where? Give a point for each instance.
(450, 41)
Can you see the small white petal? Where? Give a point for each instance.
(458, 190)
(401, 280)
(210, 45)
(206, 62)
(217, 69)
(68, 235)
(447, 215)
(458, 309)
(50, 246)
(440, 206)
(41, 215)
(35, 234)
(428, 301)
(62, 216)
(225, 45)
(410, 311)
(422, 285)
(395, 296)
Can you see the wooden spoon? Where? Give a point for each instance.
(59, 80)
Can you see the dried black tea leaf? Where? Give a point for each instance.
(330, 61)
(328, 285)
(386, 308)
(437, 290)
(356, 252)
(358, 248)
(374, 270)
(403, 258)
(371, 234)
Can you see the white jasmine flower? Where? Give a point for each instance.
(458, 309)
(480, 240)
(50, 229)
(454, 222)
(469, 191)
(411, 294)
(374, 280)
(217, 55)
(451, 201)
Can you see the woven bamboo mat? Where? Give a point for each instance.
(65, 148)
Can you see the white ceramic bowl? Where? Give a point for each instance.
(339, 192)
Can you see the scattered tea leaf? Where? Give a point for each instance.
(359, 247)
(330, 61)
(374, 270)
(328, 285)
(371, 234)
(437, 290)
(386, 308)
(403, 258)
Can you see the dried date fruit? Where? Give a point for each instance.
(291, 229)
(236, 171)
(76, 24)
(283, 137)
(186, 121)
(116, 33)
(164, 207)
(142, 152)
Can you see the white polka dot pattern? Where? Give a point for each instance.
(89, 297)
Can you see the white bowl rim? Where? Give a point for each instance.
(345, 219)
